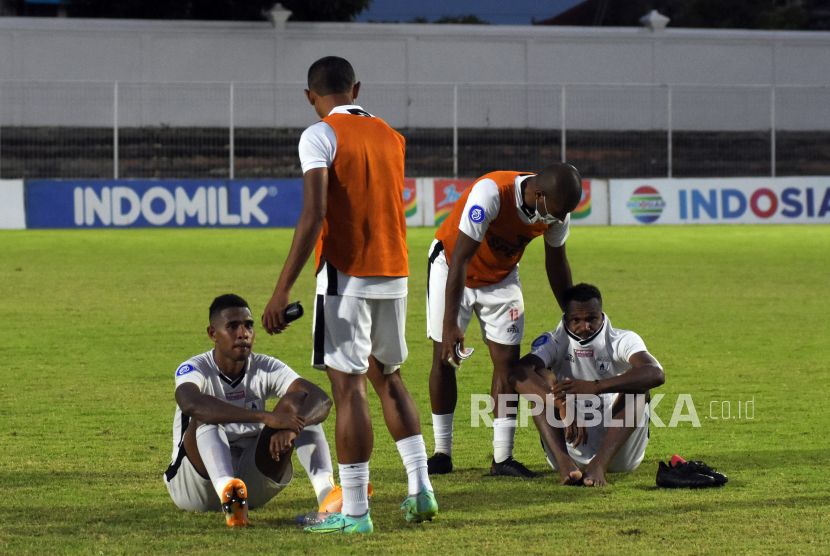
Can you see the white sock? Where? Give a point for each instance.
(216, 455)
(354, 480)
(313, 452)
(442, 429)
(414, 454)
(504, 429)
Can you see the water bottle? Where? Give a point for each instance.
(311, 518)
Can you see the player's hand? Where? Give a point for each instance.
(573, 432)
(569, 386)
(577, 434)
(451, 335)
(288, 421)
(273, 319)
(281, 442)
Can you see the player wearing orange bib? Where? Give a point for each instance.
(353, 184)
(473, 268)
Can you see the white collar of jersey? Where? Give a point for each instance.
(225, 378)
(528, 214)
(580, 340)
(344, 109)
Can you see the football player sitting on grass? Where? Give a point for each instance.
(611, 370)
(229, 452)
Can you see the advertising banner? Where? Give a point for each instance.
(412, 206)
(446, 194)
(593, 208)
(12, 211)
(163, 203)
(721, 201)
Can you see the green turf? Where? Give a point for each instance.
(94, 324)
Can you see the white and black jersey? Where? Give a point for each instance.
(262, 378)
(603, 355)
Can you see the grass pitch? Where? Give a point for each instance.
(94, 324)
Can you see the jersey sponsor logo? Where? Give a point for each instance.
(603, 364)
(184, 369)
(501, 245)
(584, 352)
(233, 396)
(540, 341)
(513, 329)
(477, 214)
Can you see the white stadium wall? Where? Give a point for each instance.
(426, 58)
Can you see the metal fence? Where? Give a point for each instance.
(250, 130)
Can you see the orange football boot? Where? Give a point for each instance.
(235, 503)
(333, 502)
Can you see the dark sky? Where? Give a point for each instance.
(499, 12)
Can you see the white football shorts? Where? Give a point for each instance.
(348, 329)
(500, 307)
(626, 460)
(191, 492)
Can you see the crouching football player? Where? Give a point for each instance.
(229, 453)
(586, 356)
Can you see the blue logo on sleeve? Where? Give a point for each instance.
(184, 369)
(477, 214)
(540, 341)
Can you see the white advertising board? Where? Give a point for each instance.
(12, 212)
(593, 209)
(720, 201)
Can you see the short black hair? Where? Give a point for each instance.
(580, 293)
(330, 76)
(225, 302)
(564, 185)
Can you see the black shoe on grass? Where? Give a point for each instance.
(682, 476)
(511, 468)
(439, 464)
(703, 469)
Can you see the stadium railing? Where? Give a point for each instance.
(121, 130)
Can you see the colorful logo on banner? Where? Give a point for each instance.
(410, 197)
(583, 209)
(646, 204)
(447, 193)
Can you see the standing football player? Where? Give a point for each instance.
(474, 268)
(353, 185)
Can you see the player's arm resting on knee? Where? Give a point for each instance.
(558, 270)
(309, 226)
(208, 409)
(463, 252)
(316, 405)
(314, 408)
(528, 378)
(645, 373)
